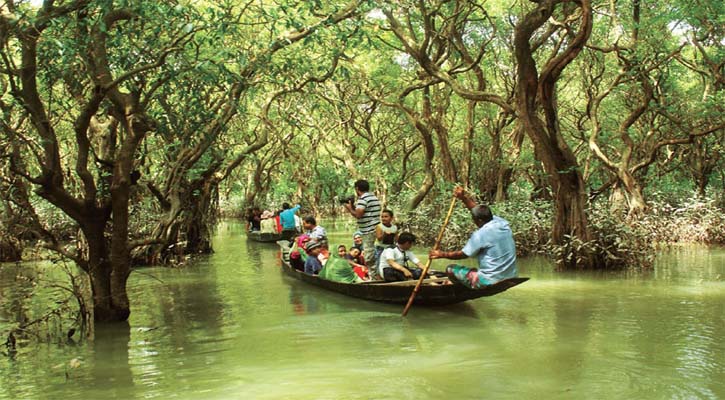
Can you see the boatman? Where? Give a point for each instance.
(492, 243)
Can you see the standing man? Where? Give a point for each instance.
(367, 213)
(287, 219)
(493, 243)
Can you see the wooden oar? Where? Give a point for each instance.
(427, 264)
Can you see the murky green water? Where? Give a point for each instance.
(233, 327)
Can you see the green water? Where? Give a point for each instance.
(231, 326)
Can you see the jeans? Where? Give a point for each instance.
(393, 275)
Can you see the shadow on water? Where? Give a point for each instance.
(466, 310)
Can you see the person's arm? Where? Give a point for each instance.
(356, 212)
(379, 232)
(400, 268)
(461, 194)
(354, 264)
(415, 260)
(451, 255)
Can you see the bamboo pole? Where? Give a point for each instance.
(427, 264)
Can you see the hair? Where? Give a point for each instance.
(285, 206)
(481, 213)
(406, 237)
(388, 212)
(362, 185)
(342, 246)
(310, 220)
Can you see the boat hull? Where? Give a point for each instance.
(267, 237)
(399, 292)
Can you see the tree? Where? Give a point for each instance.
(537, 91)
(113, 63)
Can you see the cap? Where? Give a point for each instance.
(312, 244)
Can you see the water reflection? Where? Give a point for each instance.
(302, 301)
(110, 367)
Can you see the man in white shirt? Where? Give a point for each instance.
(395, 262)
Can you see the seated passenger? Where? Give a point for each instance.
(313, 266)
(297, 256)
(360, 270)
(315, 231)
(357, 241)
(253, 219)
(338, 269)
(268, 224)
(394, 261)
(356, 256)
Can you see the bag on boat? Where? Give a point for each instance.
(339, 270)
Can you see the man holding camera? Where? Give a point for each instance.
(367, 213)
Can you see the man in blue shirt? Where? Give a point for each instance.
(493, 243)
(287, 220)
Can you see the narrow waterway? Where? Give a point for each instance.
(232, 326)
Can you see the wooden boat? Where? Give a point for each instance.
(268, 237)
(433, 291)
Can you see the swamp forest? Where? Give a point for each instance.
(136, 135)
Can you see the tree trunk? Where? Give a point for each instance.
(110, 301)
(436, 122)
(635, 199)
(428, 146)
(198, 224)
(465, 164)
(559, 162)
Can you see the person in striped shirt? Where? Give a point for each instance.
(367, 212)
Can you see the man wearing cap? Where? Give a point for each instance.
(313, 266)
(493, 243)
(367, 212)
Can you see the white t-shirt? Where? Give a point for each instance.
(397, 255)
(298, 223)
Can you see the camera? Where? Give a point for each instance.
(348, 199)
